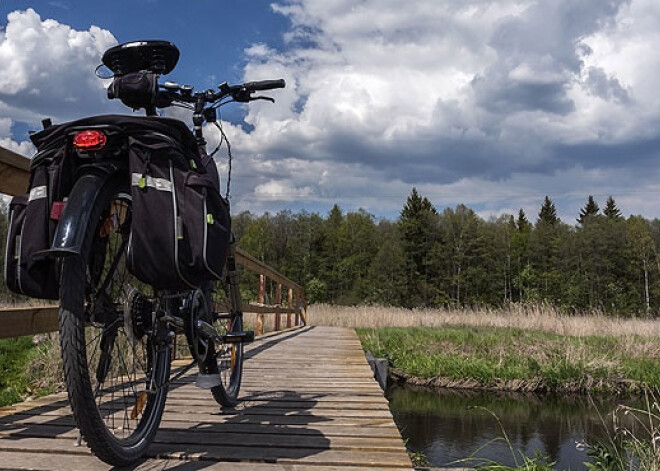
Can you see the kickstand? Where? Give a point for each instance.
(79, 440)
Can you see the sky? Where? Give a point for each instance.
(493, 104)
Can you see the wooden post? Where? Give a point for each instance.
(278, 305)
(260, 300)
(289, 304)
(298, 304)
(303, 314)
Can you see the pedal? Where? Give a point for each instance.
(246, 336)
(208, 381)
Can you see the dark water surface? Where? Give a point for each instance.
(449, 426)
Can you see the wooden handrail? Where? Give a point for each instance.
(257, 266)
(14, 172)
(16, 322)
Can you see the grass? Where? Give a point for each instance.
(635, 442)
(516, 359)
(14, 358)
(541, 318)
(22, 373)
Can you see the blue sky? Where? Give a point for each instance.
(491, 103)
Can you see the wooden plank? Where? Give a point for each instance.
(17, 322)
(327, 429)
(40, 462)
(211, 436)
(324, 457)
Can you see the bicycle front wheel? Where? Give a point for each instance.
(116, 374)
(225, 359)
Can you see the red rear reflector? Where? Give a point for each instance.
(56, 210)
(89, 140)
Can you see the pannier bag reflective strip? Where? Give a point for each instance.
(38, 193)
(141, 181)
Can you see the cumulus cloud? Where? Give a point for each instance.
(458, 96)
(48, 69)
(491, 103)
(6, 141)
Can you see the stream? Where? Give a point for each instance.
(450, 426)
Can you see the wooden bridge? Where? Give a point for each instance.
(309, 399)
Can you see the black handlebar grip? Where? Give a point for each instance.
(264, 85)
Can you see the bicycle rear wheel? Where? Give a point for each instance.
(116, 374)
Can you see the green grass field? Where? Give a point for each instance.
(493, 356)
(15, 355)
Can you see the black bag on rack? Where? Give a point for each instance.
(181, 226)
(32, 222)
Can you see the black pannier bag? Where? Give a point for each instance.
(32, 222)
(181, 227)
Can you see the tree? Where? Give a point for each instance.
(611, 210)
(642, 249)
(417, 226)
(548, 213)
(331, 255)
(461, 235)
(387, 283)
(590, 209)
(522, 224)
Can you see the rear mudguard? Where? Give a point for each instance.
(72, 226)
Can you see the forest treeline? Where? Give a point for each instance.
(429, 258)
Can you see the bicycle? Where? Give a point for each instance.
(118, 319)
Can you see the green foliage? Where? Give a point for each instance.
(548, 212)
(490, 356)
(634, 443)
(537, 462)
(611, 210)
(15, 355)
(426, 258)
(590, 210)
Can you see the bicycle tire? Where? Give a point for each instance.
(123, 444)
(227, 359)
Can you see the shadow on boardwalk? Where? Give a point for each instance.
(268, 426)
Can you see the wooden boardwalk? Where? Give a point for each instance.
(309, 403)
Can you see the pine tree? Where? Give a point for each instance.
(590, 209)
(417, 226)
(611, 210)
(548, 213)
(522, 223)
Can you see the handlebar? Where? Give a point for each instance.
(142, 90)
(240, 93)
(264, 85)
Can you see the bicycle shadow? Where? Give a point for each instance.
(267, 427)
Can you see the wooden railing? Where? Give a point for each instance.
(19, 321)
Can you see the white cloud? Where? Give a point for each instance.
(24, 148)
(48, 69)
(458, 97)
(489, 103)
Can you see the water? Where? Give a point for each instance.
(449, 426)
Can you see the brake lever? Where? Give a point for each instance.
(267, 98)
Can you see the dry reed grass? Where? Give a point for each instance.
(538, 317)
